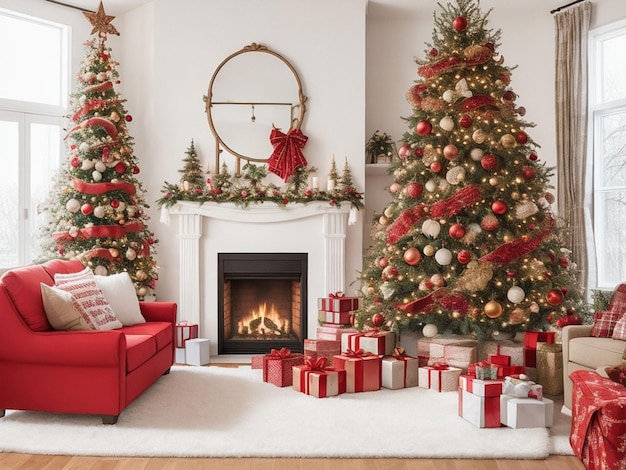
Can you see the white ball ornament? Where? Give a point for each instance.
(443, 256)
(431, 228)
(479, 136)
(430, 330)
(100, 166)
(516, 294)
(394, 188)
(84, 147)
(448, 96)
(96, 176)
(73, 205)
(455, 175)
(476, 154)
(429, 250)
(443, 185)
(131, 254)
(446, 123)
(437, 280)
(474, 228)
(86, 165)
(74, 231)
(100, 271)
(99, 211)
(431, 186)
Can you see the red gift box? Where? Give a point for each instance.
(500, 359)
(482, 412)
(333, 332)
(337, 302)
(278, 366)
(363, 370)
(373, 341)
(513, 349)
(337, 318)
(531, 338)
(316, 348)
(314, 378)
(184, 332)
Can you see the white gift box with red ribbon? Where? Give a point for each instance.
(399, 371)
(441, 378)
(377, 342)
(185, 331)
(337, 302)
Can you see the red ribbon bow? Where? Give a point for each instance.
(281, 353)
(287, 156)
(336, 295)
(358, 353)
(399, 353)
(315, 364)
(440, 366)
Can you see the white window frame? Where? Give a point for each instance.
(598, 110)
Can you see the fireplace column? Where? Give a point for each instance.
(189, 233)
(335, 225)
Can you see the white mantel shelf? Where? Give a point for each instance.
(333, 225)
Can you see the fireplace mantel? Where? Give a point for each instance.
(331, 220)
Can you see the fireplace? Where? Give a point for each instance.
(262, 302)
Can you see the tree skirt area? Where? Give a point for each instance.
(231, 412)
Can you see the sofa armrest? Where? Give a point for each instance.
(159, 311)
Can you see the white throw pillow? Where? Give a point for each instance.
(91, 298)
(119, 291)
(63, 311)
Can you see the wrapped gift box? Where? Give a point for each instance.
(399, 371)
(373, 341)
(499, 359)
(185, 331)
(513, 349)
(198, 351)
(502, 371)
(481, 411)
(317, 380)
(337, 318)
(317, 348)
(531, 338)
(526, 412)
(278, 367)
(550, 367)
(180, 356)
(518, 388)
(337, 303)
(482, 388)
(363, 370)
(441, 379)
(458, 354)
(256, 361)
(332, 332)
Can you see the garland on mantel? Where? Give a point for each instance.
(221, 187)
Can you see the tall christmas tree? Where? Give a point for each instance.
(469, 242)
(96, 209)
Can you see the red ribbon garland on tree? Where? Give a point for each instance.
(101, 188)
(463, 198)
(287, 155)
(509, 251)
(404, 222)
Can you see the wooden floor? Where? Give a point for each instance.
(49, 462)
(11, 461)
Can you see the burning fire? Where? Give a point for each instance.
(263, 321)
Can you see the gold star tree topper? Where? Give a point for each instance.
(101, 22)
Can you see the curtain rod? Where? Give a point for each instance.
(565, 6)
(70, 6)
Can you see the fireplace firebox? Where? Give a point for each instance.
(262, 302)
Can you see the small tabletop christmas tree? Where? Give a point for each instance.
(469, 242)
(96, 209)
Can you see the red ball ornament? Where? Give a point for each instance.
(450, 151)
(508, 97)
(433, 52)
(115, 203)
(128, 118)
(489, 223)
(464, 256)
(120, 167)
(424, 127)
(86, 208)
(489, 162)
(412, 256)
(136, 170)
(419, 152)
(382, 262)
(435, 167)
(465, 121)
(533, 157)
(457, 231)
(459, 23)
(499, 207)
(528, 172)
(511, 273)
(75, 162)
(414, 190)
(555, 297)
(521, 137)
(564, 262)
(378, 319)
(404, 151)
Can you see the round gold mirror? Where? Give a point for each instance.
(251, 92)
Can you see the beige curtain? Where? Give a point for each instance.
(572, 26)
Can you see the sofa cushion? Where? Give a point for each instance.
(161, 331)
(63, 311)
(119, 291)
(93, 302)
(594, 352)
(619, 332)
(55, 266)
(604, 324)
(139, 349)
(23, 287)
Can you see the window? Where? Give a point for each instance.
(607, 114)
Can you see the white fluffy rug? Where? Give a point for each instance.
(230, 412)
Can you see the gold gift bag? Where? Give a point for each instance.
(550, 368)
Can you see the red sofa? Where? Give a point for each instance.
(82, 372)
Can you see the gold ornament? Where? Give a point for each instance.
(508, 141)
(493, 309)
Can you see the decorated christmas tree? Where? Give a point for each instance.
(469, 242)
(192, 178)
(96, 209)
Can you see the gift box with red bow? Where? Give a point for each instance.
(373, 341)
(513, 349)
(316, 379)
(458, 354)
(278, 366)
(482, 388)
(363, 370)
(333, 332)
(336, 318)
(337, 302)
(399, 370)
(184, 332)
(319, 348)
(481, 411)
(439, 377)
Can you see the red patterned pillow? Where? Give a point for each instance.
(620, 328)
(604, 324)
